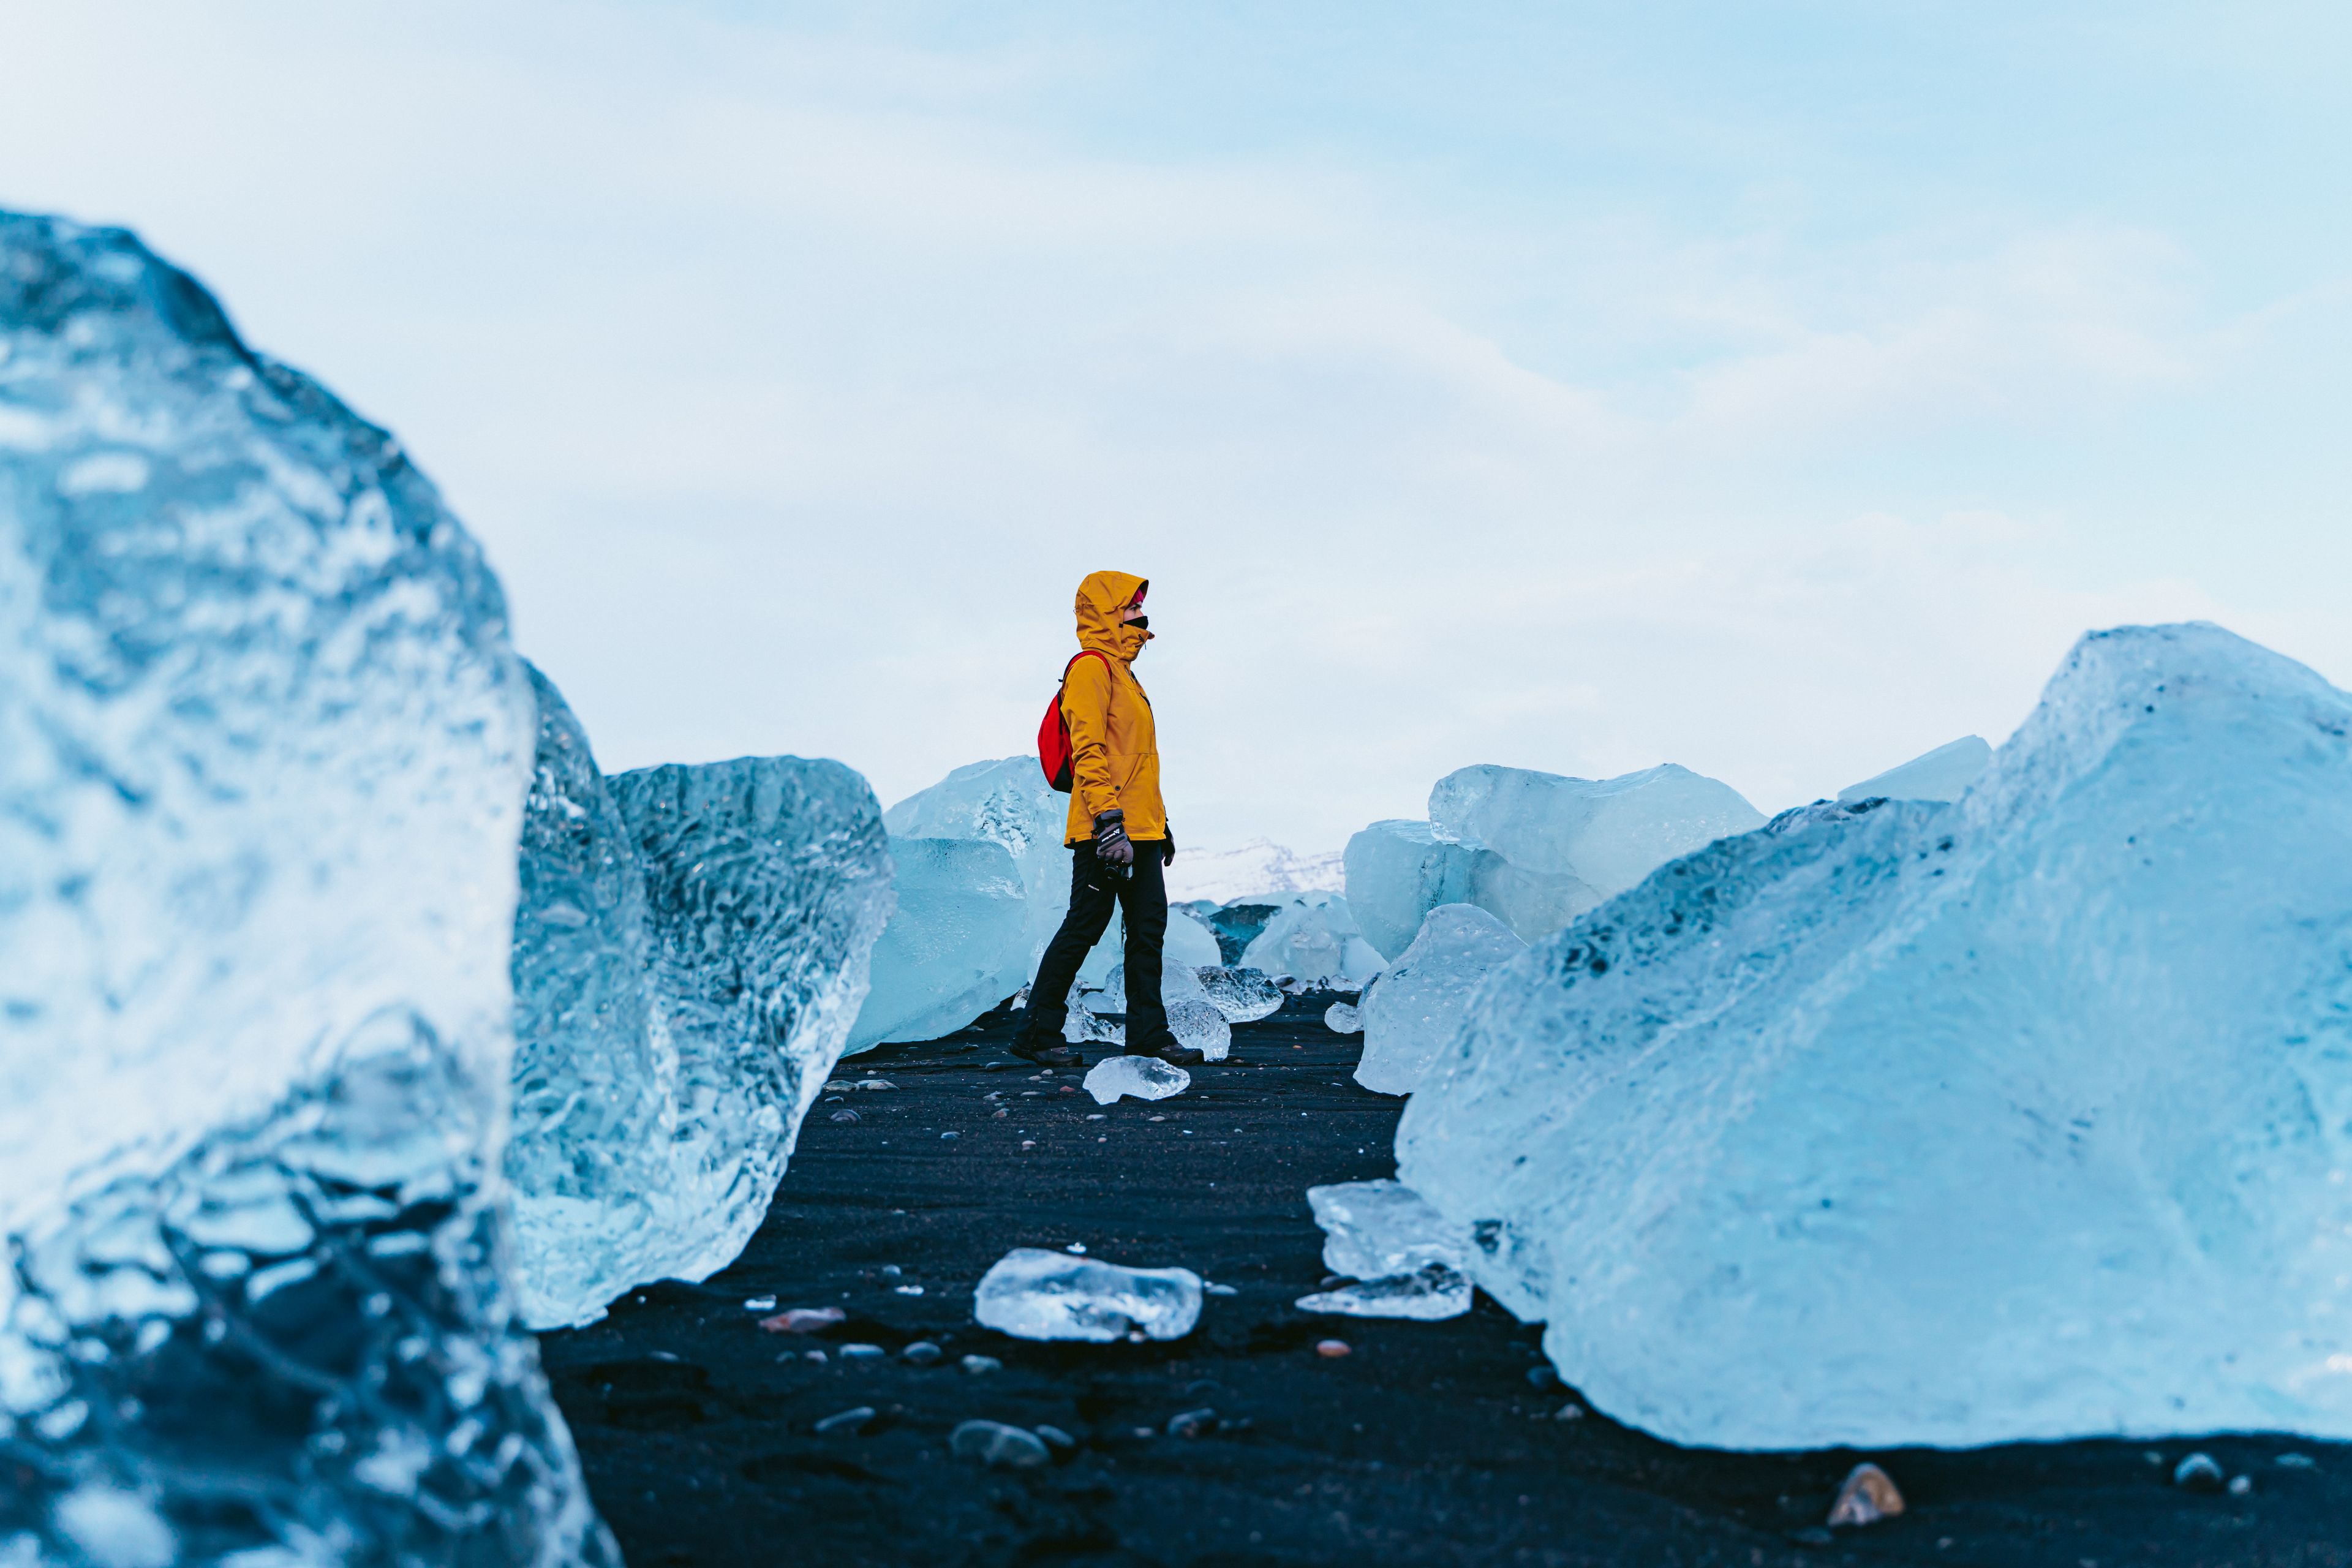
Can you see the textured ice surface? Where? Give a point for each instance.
(957, 944)
(1033, 1294)
(1406, 1258)
(1608, 833)
(1143, 1077)
(1398, 871)
(1344, 1018)
(2020, 1116)
(1196, 1022)
(1939, 774)
(1313, 938)
(262, 754)
(1242, 995)
(1007, 801)
(767, 883)
(1411, 1014)
(690, 947)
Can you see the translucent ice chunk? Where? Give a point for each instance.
(1344, 1018)
(1939, 774)
(1411, 1016)
(2017, 1118)
(1195, 1023)
(957, 944)
(1242, 995)
(1373, 1229)
(1145, 1077)
(1313, 938)
(685, 970)
(1033, 1294)
(1006, 802)
(1398, 871)
(1429, 1293)
(262, 754)
(1609, 833)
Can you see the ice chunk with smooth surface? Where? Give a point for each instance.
(1033, 1294)
(1410, 1017)
(263, 752)
(1005, 802)
(2019, 1117)
(1607, 833)
(1398, 871)
(1313, 938)
(1145, 1077)
(1242, 995)
(1940, 775)
(957, 944)
(1344, 1018)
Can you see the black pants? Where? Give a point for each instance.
(1143, 897)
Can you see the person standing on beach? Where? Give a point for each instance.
(1117, 830)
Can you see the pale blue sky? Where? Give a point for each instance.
(1773, 389)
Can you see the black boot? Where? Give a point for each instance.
(1169, 1049)
(1046, 1052)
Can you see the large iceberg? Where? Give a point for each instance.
(691, 948)
(262, 754)
(1533, 850)
(2027, 1116)
(1411, 1011)
(1006, 802)
(957, 944)
(1940, 775)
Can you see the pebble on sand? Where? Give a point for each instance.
(2198, 1473)
(995, 1445)
(979, 1365)
(843, 1116)
(852, 1421)
(922, 1353)
(1868, 1496)
(1332, 1349)
(802, 1319)
(1193, 1423)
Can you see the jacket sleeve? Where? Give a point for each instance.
(1086, 708)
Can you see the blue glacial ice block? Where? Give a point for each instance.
(957, 944)
(2022, 1117)
(262, 754)
(1940, 775)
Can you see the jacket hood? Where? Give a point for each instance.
(1101, 597)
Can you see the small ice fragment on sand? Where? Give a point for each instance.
(2198, 1473)
(861, 1353)
(1033, 1294)
(995, 1445)
(1430, 1293)
(980, 1365)
(1197, 1023)
(1056, 1438)
(759, 1304)
(1145, 1077)
(922, 1353)
(1343, 1018)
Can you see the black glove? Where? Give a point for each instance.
(1110, 839)
(1167, 854)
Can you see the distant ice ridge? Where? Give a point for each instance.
(262, 754)
(1534, 849)
(2019, 1118)
(1940, 775)
(692, 946)
(1409, 1015)
(1256, 869)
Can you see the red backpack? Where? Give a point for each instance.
(1054, 731)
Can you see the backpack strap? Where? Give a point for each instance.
(1083, 653)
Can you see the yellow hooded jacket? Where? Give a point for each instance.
(1115, 750)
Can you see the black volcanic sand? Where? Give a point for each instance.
(1430, 1444)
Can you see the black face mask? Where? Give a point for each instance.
(1140, 623)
